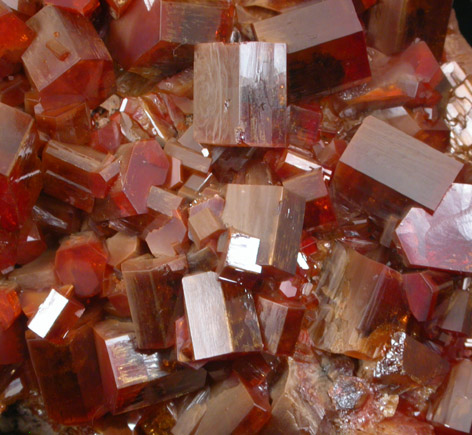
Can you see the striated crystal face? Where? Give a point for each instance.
(160, 33)
(154, 293)
(361, 305)
(221, 316)
(383, 171)
(271, 214)
(393, 25)
(248, 107)
(325, 41)
(441, 240)
(452, 409)
(68, 375)
(67, 61)
(131, 379)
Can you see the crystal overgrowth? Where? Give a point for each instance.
(248, 106)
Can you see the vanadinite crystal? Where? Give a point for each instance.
(248, 107)
(235, 217)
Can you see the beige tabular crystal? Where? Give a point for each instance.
(221, 316)
(272, 214)
(240, 94)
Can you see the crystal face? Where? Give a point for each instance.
(384, 171)
(233, 325)
(67, 61)
(240, 110)
(325, 41)
(441, 240)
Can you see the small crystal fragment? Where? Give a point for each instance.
(325, 41)
(221, 316)
(204, 225)
(122, 247)
(248, 107)
(163, 201)
(169, 238)
(133, 380)
(189, 158)
(10, 307)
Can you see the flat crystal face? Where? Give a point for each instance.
(249, 105)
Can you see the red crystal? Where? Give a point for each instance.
(441, 240)
(81, 260)
(81, 70)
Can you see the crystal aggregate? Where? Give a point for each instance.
(234, 217)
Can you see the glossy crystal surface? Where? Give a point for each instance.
(241, 110)
(233, 325)
(325, 41)
(67, 61)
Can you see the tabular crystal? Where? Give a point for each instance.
(383, 170)
(67, 61)
(272, 214)
(393, 24)
(441, 240)
(132, 379)
(325, 43)
(154, 292)
(221, 316)
(247, 106)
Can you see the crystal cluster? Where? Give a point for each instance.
(234, 217)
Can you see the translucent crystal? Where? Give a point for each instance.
(325, 41)
(85, 73)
